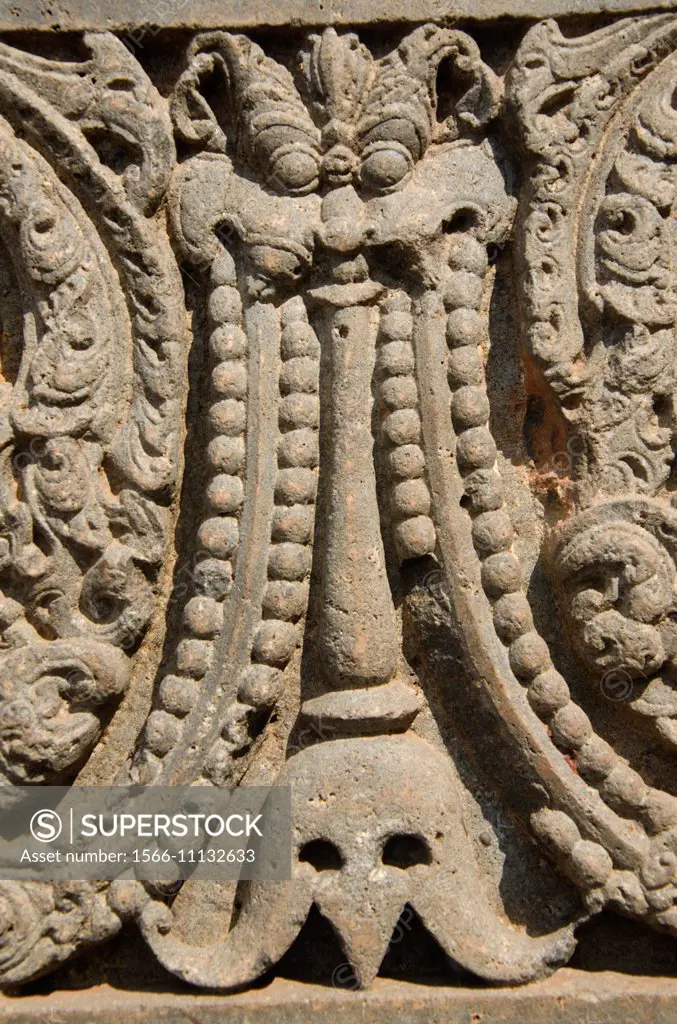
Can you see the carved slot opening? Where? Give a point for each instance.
(637, 467)
(121, 84)
(662, 407)
(406, 851)
(43, 225)
(640, 64)
(451, 85)
(623, 222)
(226, 233)
(387, 261)
(41, 538)
(493, 252)
(135, 261)
(557, 101)
(211, 82)
(116, 153)
(322, 855)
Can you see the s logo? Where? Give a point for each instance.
(46, 826)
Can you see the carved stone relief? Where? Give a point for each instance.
(251, 350)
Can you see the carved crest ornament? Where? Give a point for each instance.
(477, 718)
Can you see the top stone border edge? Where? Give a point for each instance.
(121, 15)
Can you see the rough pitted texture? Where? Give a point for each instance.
(337, 451)
(131, 16)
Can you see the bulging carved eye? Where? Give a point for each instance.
(385, 165)
(294, 168)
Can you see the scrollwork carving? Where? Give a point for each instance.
(599, 319)
(338, 211)
(92, 394)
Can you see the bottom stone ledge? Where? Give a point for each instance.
(571, 997)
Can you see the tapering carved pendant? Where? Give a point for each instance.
(376, 216)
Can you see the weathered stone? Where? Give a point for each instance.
(126, 15)
(568, 998)
(317, 518)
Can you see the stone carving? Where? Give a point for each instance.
(364, 618)
(92, 382)
(92, 388)
(353, 224)
(603, 225)
(599, 330)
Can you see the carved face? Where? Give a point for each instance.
(371, 135)
(397, 237)
(370, 831)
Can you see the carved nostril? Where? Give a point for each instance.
(405, 851)
(465, 219)
(322, 854)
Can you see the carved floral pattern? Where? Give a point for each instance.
(92, 368)
(338, 214)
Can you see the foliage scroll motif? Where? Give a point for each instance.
(93, 336)
(359, 621)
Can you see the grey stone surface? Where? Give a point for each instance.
(571, 997)
(118, 15)
(337, 450)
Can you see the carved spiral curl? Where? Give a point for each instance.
(42, 924)
(618, 585)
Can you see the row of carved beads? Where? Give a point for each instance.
(218, 534)
(285, 596)
(586, 863)
(492, 532)
(289, 558)
(410, 501)
(650, 891)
